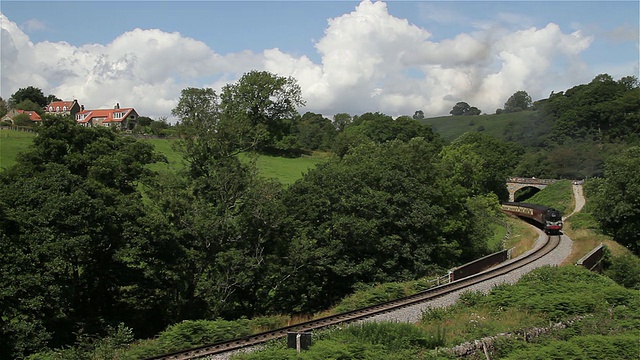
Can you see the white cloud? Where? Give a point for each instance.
(371, 61)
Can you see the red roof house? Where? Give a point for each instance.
(63, 108)
(33, 116)
(123, 118)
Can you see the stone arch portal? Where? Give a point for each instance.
(515, 184)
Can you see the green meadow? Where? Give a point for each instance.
(286, 170)
(11, 143)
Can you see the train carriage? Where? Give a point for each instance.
(548, 218)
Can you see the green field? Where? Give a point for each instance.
(11, 143)
(286, 170)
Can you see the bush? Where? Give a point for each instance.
(372, 296)
(625, 270)
(559, 293)
(191, 333)
(394, 341)
(112, 346)
(598, 347)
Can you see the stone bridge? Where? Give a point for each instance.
(515, 184)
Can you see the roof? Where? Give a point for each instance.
(60, 105)
(33, 116)
(107, 115)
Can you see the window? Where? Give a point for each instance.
(57, 108)
(64, 108)
(50, 108)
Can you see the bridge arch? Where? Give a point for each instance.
(515, 184)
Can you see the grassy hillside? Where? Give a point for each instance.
(11, 143)
(288, 170)
(285, 170)
(499, 126)
(558, 195)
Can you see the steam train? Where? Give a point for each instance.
(548, 218)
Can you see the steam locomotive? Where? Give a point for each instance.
(548, 218)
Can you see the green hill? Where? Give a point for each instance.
(502, 126)
(286, 170)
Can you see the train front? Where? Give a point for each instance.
(552, 221)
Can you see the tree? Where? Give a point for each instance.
(379, 128)
(629, 82)
(71, 236)
(315, 132)
(51, 98)
(462, 108)
(496, 160)
(4, 109)
(519, 101)
(459, 108)
(473, 111)
(144, 121)
(381, 213)
(616, 205)
(29, 106)
(418, 115)
(22, 120)
(341, 121)
(159, 126)
(29, 93)
(265, 103)
(228, 215)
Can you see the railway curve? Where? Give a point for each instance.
(411, 306)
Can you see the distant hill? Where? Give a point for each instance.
(506, 126)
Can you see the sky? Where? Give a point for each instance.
(395, 57)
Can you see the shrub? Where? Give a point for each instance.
(191, 333)
(625, 346)
(372, 296)
(625, 270)
(471, 298)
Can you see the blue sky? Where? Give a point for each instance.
(446, 50)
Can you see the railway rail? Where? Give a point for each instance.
(352, 316)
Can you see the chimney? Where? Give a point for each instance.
(81, 107)
(117, 106)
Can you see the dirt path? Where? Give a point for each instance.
(579, 199)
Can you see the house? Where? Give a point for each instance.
(33, 116)
(63, 108)
(122, 118)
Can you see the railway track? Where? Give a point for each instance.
(360, 314)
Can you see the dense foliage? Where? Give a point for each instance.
(576, 131)
(381, 213)
(70, 240)
(94, 243)
(616, 205)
